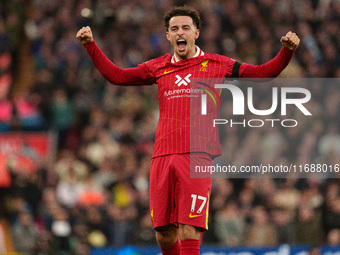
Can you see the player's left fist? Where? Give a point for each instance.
(290, 41)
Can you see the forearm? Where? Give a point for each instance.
(111, 72)
(270, 69)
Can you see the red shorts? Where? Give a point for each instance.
(174, 196)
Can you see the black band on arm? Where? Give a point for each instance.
(236, 69)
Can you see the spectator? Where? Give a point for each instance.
(69, 190)
(287, 196)
(25, 234)
(62, 115)
(28, 112)
(122, 213)
(98, 229)
(260, 231)
(333, 237)
(331, 208)
(61, 232)
(69, 162)
(103, 148)
(308, 226)
(229, 225)
(315, 250)
(284, 224)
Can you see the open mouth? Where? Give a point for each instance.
(181, 43)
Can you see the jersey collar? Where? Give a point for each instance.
(199, 52)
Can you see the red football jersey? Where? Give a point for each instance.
(177, 119)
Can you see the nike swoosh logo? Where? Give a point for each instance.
(166, 72)
(194, 216)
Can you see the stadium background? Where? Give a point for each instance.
(82, 180)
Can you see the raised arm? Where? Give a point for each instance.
(274, 67)
(111, 72)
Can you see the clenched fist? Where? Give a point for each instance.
(290, 41)
(85, 35)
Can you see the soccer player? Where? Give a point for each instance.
(179, 204)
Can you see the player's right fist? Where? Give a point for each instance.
(85, 35)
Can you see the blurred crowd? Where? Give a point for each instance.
(95, 191)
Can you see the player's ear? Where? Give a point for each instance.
(197, 33)
(168, 35)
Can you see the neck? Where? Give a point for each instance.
(191, 54)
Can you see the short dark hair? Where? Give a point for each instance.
(183, 11)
